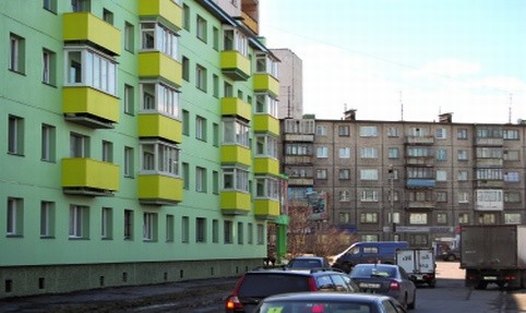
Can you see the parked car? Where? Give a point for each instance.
(368, 252)
(388, 279)
(255, 285)
(450, 255)
(322, 302)
(308, 262)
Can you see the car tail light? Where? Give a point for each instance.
(232, 303)
(317, 308)
(312, 284)
(394, 285)
(509, 277)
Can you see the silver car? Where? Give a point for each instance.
(387, 279)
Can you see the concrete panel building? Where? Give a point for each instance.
(291, 84)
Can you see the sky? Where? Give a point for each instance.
(405, 59)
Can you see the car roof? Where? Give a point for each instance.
(331, 296)
(308, 258)
(292, 271)
(380, 265)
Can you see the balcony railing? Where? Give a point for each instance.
(84, 26)
(419, 140)
(266, 83)
(266, 123)
(154, 64)
(90, 107)
(236, 154)
(266, 209)
(235, 65)
(159, 189)
(235, 202)
(266, 165)
(156, 125)
(84, 176)
(231, 106)
(167, 10)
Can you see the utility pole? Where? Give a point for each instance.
(391, 181)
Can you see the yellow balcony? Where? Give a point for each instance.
(84, 26)
(89, 177)
(235, 202)
(154, 64)
(234, 154)
(167, 10)
(235, 65)
(233, 106)
(90, 107)
(266, 83)
(160, 126)
(266, 209)
(160, 189)
(266, 165)
(266, 123)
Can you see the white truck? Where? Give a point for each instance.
(419, 263)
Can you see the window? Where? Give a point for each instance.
(321, 130)
(344, 174)
(235, 40)
(462, 134)
(267, 187)
(200, 229)
(159, 157)
(169, 228)
(215, 182)
(235, 179)
(200, 128)
(343, 131)
(227, 232)
(79, 146)
(368, 153)
(215, 231)
(186, 123)
(441, 155)
(512, 218)
(368, 218)
(107, 151)
(511, 155)
(369, 174)
(240, 234)
(215, 42)
(512, 197)
(149, 226)
(47, 219)
(418, 218)
(78, 222)
(160, 98)
(322, 152)
(201, 28)
(185, 229)
(80, 5)
(186, 176)
(487, 218)
(260, 234)
(267, 105)
(396, 196)
(369, 195)
(463, 197)
(107, 16)
(266, 145)
(186, 17)
(489, 173)
(186, 68)
(228, 90)
(128, 162)
(441, 218)
(155, 36)
(50, 5)
(368, 131)
(344, 218)
(129, 100)
(128, 225)
(344, 196)
(250, 233)
(106, 230)
(393, 132)
(266, 64)
(395, 219)
(489, 153)
(236, 132)
(85, 67)
(49, 73)
(17, 52)
(344, 153)
(512, 177)
(200, 77)
(440, 133)
(215, 134)
(321, 173)
(15, 217)
(129, 37)
(462, 175)
(215, 85)
(510, 134)
(48, 144)
(441, 175)
(15, 135)
(462, 155)
(463, 218)
(200, 179)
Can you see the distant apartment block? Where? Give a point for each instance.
(291, 84)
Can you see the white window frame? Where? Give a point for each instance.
(97, 70)
(149, 225)
(47, 219)
(159, 157)
(266, 104)
(344, 153)
(237, 177)
(368, 174)
(156, 37)
(368, 153)
(236, 132)
(368, 131)
(15, 217)
(322, 152)
(160, 98)
(369, 195)
(266, 145)
(78, 222)
(201, 181)
(106, 229)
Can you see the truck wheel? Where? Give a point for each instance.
(432, 283)
(481, 285)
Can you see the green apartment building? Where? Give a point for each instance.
(139, 142)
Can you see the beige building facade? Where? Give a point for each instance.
(291, 84)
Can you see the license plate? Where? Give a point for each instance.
(490, 277)
(369, 285)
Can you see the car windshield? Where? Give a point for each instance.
(373, 271)
(263, 285)
(304, 263)
(314, 307)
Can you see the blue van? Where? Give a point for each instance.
(368, 252)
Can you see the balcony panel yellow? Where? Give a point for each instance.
(169, 11)
(84, 26)
(234, 106)
(154, 64)
(266, 209)
(235, 65)
(160, 126)
(266, 83)
(89, 173)
(266, 123)
(235, 202)
(160, 189)
(231, 154)
(266, 165)
(92, 102)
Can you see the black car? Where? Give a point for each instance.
(450, 255)
(322, 302)
(255, 285)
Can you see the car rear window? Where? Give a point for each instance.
(305, 263)
(262, 285)
(315, 306)
(368, 271)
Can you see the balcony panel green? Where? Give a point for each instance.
(156, 125)
(267, 209)
(235, 65)
(266, 123)
(89, 177)
(160, 189)
(266, 165)
(154, 64)
(90, 107)
(84, 26)
(166, 10)
(234, 154)
(235, 202)
(231, 106)
(266, 83)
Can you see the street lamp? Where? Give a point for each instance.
(391, 180)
